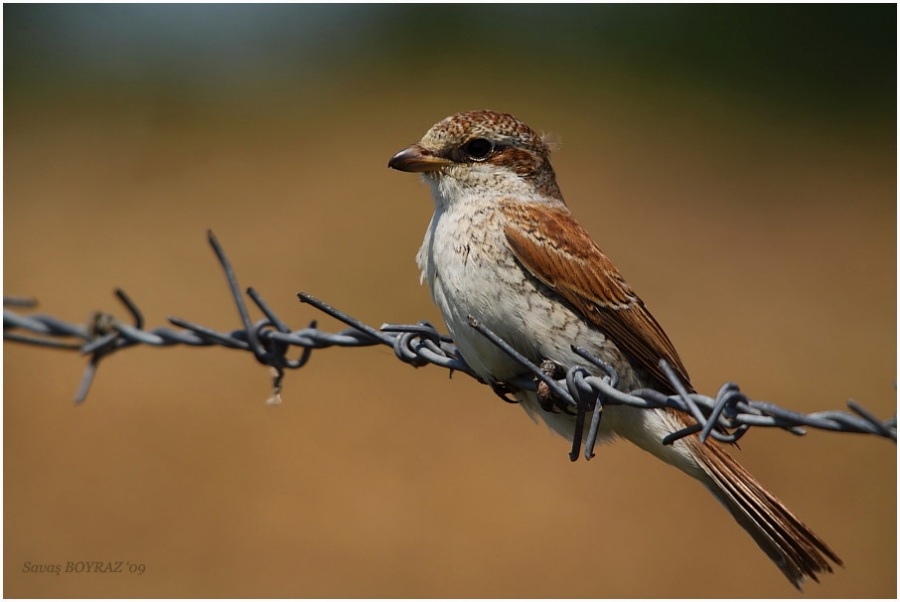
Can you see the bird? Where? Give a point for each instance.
(503, 249)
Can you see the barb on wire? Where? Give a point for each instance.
(582, 392)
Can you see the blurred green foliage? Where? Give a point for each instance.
(842, 55)
(833, 58)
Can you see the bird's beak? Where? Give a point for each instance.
(417, 159)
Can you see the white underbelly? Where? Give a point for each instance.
(481, 278)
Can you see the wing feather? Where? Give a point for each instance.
(556, 250)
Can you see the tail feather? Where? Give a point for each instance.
(791, 545)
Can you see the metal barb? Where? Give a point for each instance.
(727, 417)
(19, 302)
(258, 350)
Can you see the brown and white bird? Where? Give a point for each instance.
(503, 247)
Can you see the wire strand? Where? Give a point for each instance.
(725, 417)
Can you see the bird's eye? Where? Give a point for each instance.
(479, 149)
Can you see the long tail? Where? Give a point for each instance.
(791, 545)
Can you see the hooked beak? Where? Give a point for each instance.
(417, 159)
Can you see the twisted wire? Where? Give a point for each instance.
(725, 417)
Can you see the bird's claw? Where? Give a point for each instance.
(503, 391)
(547, 400)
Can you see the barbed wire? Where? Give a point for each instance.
(725, 417)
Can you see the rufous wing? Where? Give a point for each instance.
(553, 248)
(556, 250)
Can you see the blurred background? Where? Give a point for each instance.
(738, 163)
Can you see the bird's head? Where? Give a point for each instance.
(481, 153)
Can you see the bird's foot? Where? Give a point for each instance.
(503, 391)
(548, 401)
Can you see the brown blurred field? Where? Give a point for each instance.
(765, 244)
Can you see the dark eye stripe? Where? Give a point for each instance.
(524, 162)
